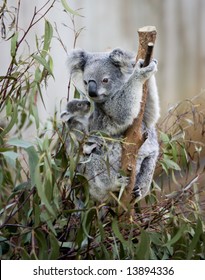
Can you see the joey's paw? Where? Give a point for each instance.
(123, 180)
(88, 149)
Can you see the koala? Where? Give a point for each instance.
(76, 117)
(101, 160)
(101, 167)
(114, 81)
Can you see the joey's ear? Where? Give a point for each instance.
(65, 116)
(122, 59)
(76, 60)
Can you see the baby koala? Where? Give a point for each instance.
(76, 117)
(101, 167)
(100, 158)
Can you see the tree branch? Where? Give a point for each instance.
(133, 136)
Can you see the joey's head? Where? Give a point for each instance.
(76, 109)
(103, 73)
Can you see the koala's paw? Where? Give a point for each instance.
(145, 73)
(140, 63)
(137, 194)
(123, 180)
(152, 67)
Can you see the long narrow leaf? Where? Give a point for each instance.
(198, 232)
(44, 63)
(14, 44)
(68, 9)
(143, 250)
(14, 118)
(48, 34)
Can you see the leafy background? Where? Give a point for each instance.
(45, 208)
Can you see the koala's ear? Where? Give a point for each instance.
(76, 60)
(65, 116)
(123, 59)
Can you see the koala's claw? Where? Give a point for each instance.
(152, 66)
(137, 193)
(146, 72)
(123, 180)
(155, 60)
(140, 63)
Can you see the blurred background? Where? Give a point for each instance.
(106, 24)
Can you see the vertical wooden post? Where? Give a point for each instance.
(133, 136)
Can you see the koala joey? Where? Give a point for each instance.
(101, 167)
(76, 117)
(113, 81)
(100, 161)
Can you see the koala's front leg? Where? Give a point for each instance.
(124, 106)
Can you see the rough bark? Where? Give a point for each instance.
(133, 136)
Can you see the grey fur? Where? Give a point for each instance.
(114, 83)
(76, 116)
(146, 162)
(101, 168)
(101, 160)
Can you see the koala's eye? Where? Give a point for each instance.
(79, 105)
(105, 80)
(85, 83)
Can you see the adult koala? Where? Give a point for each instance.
(114, 83)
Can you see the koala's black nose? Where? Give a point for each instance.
(92, 88)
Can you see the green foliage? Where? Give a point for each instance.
(45, 208)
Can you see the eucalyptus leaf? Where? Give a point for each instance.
(176, 237)
(48, 34)
(195, 240)
(143, 249)
(33, 162)
(44, 63)
(11, 155)
(19, 143)
(13, 121)
(54, 248)
(68, 9)
(14, 44)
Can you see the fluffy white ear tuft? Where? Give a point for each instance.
(76, 60)
(123, 59)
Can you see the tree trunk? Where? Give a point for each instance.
(133, 136)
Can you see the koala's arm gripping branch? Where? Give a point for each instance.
(133, 136)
